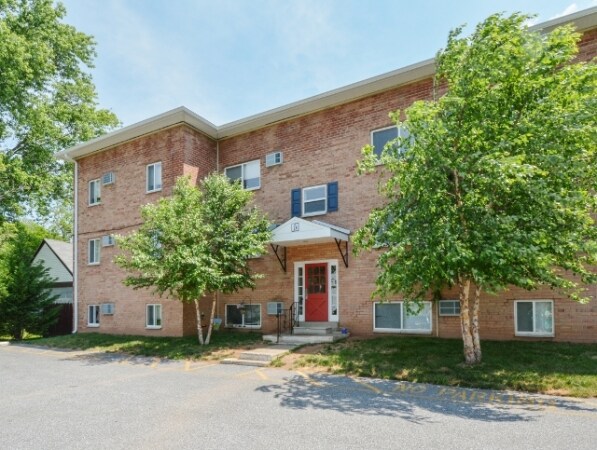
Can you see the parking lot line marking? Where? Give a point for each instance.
(261, 374)
(244, 374)
(368, 386)
(199, 366)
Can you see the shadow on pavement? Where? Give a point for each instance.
(409, 401)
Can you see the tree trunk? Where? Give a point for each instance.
(475, 325)
(211, 318)
(199, 328)
(465, 320)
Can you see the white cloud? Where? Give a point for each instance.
(572, 8)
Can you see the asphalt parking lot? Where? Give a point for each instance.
(64, 399)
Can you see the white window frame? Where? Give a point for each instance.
(324, 198)
(155, 189)
(398, 134)
(242, 324)
(439, 306)
(97, 247)
(95, 315)
(157, 307)
(242, 176)
(97, 190)
(402, 315)
(534, 333)
(300, 290)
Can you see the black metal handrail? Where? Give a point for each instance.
(292, 321)
(292, 318)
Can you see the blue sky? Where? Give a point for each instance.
(228, 59)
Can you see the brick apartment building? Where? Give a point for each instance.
(299, 160)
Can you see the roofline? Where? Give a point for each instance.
(169, 119)
(582, 20)
(45, 241)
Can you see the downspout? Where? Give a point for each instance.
(436, 318)
(75, 251)
(218, 171)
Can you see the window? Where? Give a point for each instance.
(533, 317)
(94, 192)
(93, 316)
(243, 315)
(93, 256)
(249, 174)
(449, 308)
(394, 317)
(154, 177)
(315, 200)
(379, 138)
(154, 316)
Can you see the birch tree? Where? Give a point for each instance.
(496, 184)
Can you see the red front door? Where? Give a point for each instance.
(316, 309)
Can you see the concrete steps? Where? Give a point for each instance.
(309, 333)
(259, 357)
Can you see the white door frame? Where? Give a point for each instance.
(331, 290)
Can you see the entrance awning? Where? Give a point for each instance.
(297, 231)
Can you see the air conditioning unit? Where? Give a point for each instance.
(107, 309)
(108, 178)
(273, 159)
(275, 308)
(108, 240)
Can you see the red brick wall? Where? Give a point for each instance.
(318, 148)
(181, 151)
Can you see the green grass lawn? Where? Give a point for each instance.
(545, 367)
(163, 347)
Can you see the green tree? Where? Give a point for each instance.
(196, 243)
(496, 184)
(26, 300)
(47, 103)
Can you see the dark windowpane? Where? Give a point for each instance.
(382, 137)
(524, 316)
(251, 183)
(316, 206)
(234, 173)
(388, 315)
(150, 178)
(233, 315)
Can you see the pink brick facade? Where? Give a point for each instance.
(318, 147)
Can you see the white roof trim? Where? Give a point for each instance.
(582, 20)
(180, 115)
(297, 231)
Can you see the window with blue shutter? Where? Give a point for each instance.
(295, 202)
(314, 200)
(333, 196)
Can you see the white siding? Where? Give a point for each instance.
(57, 269)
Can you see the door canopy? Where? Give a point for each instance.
(299, 231)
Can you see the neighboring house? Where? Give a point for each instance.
(57, 256)
(299, 160)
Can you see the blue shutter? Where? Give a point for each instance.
(333, 196)
(295, 203)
